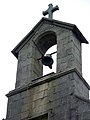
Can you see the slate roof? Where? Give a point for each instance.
(65, 25)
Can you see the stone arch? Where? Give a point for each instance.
(46, 40)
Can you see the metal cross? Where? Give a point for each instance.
(50, 10)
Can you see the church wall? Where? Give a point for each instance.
(63, 95)
(28, 66)
(69, 52)
(48, 95)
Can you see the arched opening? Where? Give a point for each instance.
(46, 40)
(46, 43)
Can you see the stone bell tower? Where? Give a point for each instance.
(63, 95)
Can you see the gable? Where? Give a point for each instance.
(56, 23)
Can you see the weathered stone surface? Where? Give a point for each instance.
(63, 95)
(45, 36)
(58, 97)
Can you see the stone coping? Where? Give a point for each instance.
(44, 79)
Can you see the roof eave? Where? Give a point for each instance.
(79, 35)
(69, 26)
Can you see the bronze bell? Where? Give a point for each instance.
(47, 61)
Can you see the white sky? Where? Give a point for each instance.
(18, 17)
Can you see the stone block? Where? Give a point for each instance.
(25, 107)
(24, 115)
(43, 87)
(38, 96)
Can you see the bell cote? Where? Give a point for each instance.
(46, 33)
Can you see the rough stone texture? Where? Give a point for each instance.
(28, 65)
(68, 52)
(62, 96)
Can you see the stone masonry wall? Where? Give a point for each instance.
(52, 95)
(28, 66)
(68, 53)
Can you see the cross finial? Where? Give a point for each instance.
(50, 10)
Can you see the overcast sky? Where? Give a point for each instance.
(18, 17)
